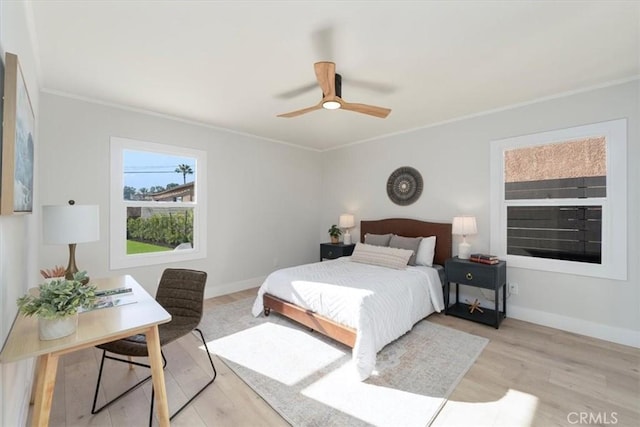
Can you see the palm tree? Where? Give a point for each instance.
(184, 170)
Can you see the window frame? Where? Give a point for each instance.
(614, 205)
(118, 206)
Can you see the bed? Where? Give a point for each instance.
(362, 306)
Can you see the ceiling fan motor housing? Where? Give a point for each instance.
(338, 85)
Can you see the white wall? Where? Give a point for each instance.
(263, 209)
(18, 234)
(453, 159)
(263, 197)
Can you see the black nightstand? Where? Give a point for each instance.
(335, 250)
(469, 273)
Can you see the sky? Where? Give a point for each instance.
(145, 169)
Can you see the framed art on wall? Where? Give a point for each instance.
(16, 169)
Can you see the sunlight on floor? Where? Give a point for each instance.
(337, 387)
(514, 409)
(253, 347)
(373, 404)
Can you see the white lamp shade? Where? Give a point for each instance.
(70, 224)
(464, 225)
(347, 221)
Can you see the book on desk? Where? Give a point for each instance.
(110, 298)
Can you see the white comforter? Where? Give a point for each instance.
(381, 303)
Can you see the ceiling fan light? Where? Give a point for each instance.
(331, 105)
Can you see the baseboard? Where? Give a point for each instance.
(579, 326)
(229, 288)
(564, 323)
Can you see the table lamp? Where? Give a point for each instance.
(464, 226)
(346, 222)
(71, 224)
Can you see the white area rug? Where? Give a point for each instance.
(305, 376)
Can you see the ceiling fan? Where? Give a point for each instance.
(331, 85)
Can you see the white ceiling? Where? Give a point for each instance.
(229, 64)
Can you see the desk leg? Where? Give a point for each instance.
(47, 369)
(155, 359)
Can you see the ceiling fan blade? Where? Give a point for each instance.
(371, 110)
(369, 85)
(297, 91)
(326, 74)
(300, 112)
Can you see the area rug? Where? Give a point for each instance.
(305, 376)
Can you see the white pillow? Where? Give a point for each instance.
(381, 255)
(426, 251)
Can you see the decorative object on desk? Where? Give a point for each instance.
(484, 259)
(474, 306)
(404, 186)
(70, 225)
(16, 169)
(464, 226)
(346, 222)
(335, 233)
(56, 305)
(56, 272)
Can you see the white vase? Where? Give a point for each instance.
(51, 329)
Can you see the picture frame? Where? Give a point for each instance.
(17, 153)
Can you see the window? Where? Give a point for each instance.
(158, 206)
(558, 200)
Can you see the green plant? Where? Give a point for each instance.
(58, 298)
(334, 231)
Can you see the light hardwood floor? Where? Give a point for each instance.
(527, 375)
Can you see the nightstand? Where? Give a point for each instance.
(335, 250)
(469, 273)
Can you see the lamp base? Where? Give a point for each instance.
(71, 267)
(347, 238)
(464, 250)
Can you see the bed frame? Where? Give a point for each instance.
(400, 226)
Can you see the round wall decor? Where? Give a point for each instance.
(404, 186)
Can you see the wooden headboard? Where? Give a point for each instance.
(413, 228)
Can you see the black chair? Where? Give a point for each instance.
(181, 293)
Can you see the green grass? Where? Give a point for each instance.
(134, 247)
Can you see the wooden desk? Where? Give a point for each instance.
(94, 327)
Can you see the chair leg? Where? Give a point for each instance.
(133, 387)
(95, 396)
(215, 374)
(153, 396)
(138, 384)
